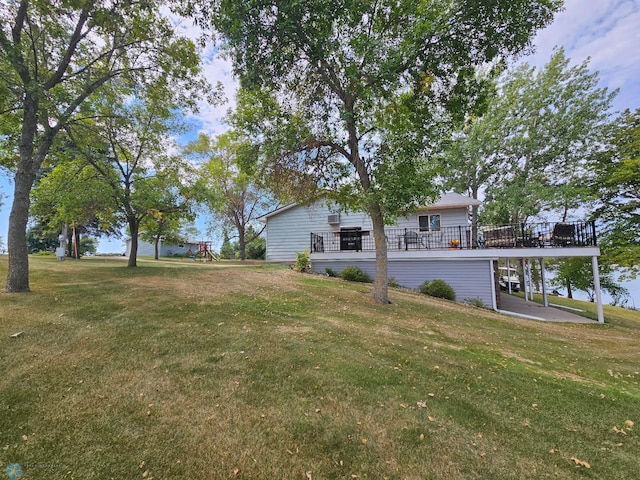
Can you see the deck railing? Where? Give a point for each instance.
(524, 235)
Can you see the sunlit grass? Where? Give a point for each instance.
(193, 371)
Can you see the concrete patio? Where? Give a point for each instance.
(512, 305)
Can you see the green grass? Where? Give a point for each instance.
(193, 371)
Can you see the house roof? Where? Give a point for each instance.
(188, 241)
(448, 200)
(454, 200)
(264, 217)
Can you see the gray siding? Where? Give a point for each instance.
(168, 250)
(468, 278)
(147, 249)
(289, 232)
(449, 217)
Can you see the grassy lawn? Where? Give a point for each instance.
(211, 371)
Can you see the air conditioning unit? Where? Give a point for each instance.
(334, 219)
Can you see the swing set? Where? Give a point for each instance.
(205, 254)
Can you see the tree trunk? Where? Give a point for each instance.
(474, 220)
(65, 235)
(569, 292)
(242, 244)
(156, 246)
(380, 292)
(133, 254)
(18, 275)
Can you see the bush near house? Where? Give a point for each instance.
(303, 263)
(438, 288)
(355, 274)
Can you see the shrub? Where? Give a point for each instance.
(330, 272)
(302, 264)
(355, 274)
(438, 288)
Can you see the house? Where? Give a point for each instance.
(148, 249)
(435, 242)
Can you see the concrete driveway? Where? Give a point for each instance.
(512, 305)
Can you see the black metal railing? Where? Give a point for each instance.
(523, 235)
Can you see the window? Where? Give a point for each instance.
(429, 223)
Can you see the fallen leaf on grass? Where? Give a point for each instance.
(554, 450)
(628, 424)
(580, 462)
(236, 472)
(619, 430)
(431, 419)
(309, 475)
(421, 404)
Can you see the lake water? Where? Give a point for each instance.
(633, 287)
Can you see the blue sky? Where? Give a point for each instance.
(606, 31)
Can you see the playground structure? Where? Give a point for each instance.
(205, 254)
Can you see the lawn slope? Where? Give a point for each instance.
(192, 371)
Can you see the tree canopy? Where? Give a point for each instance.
(336, 74)
(532, 152)
(234, 197)
(617, 185)
(55, 55)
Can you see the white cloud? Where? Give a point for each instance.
(605, 31)
(216, 69)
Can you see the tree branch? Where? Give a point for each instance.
(68, 55)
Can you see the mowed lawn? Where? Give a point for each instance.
(193, 371)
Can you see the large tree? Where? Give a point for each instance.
(234, 197)
(128, 146)
(54, 56)
(617, 185)
(345, 68)
(170, 225)
(577, 273)
(71, 194)
(551, 123)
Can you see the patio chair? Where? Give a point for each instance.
(563, 235)
(500, 237)
(433, 239)
(412, 238)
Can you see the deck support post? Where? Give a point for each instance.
(545, 300)
(596, 287)
(525, 285)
